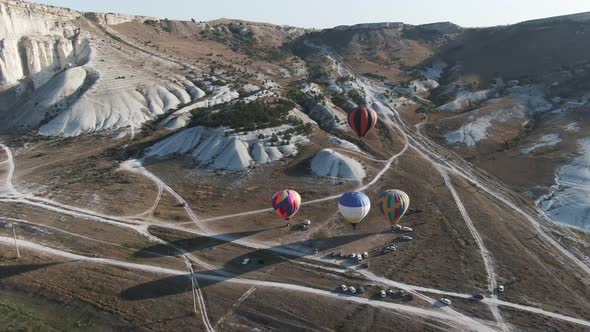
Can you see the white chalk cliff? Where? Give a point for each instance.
(66, 81)
(210, 147)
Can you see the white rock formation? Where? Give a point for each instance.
(330, 163)
(464, 100)
(569, 200)
(219, 95)
(55, 96)
(82, 81)
(112, 110)
(545, 141)
(210, 147)
(344, 144)
(37, 41)
(114, 19)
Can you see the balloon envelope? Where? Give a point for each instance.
(286, 202)
(361, 120)
(354, 206)
(394, 204)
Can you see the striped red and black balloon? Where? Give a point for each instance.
(361, 120)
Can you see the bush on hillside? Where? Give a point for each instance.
(248, 116)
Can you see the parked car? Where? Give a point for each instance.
(478, 297)
(352, 289)
(359, 259)
(344, 288)
(396, 228)
(353, 255)
(382, 293)
(365, 254)
(445, 301)
(361, 290)
(390, 292)
(500, 288)
(246, 261)
(306, 222)
(406, 238)
(333, 254)
(407, 229)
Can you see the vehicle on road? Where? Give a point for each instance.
(389, 249)
(445, 301)
(246, 261)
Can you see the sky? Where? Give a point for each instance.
(330, 13)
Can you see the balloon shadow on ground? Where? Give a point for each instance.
(234, 268)
(190, 244)
(7, 271)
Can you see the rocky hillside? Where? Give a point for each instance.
(501, 97)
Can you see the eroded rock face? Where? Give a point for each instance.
(329, 163)
(211, 147)
(36, 41)
(114, 19)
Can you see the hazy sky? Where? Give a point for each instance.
(329, 13)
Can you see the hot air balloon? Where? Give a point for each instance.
(286, 202)
(361, 120)
(354, 206)
(393, 204)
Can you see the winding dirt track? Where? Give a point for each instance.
(459, 323)
(413, 139)
(404, 308)
(142, 228)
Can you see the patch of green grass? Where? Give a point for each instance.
(23, 312)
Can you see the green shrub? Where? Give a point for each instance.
(356, 96)
(248, 116)
(339, 100)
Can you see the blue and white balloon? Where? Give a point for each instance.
(354, 207)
